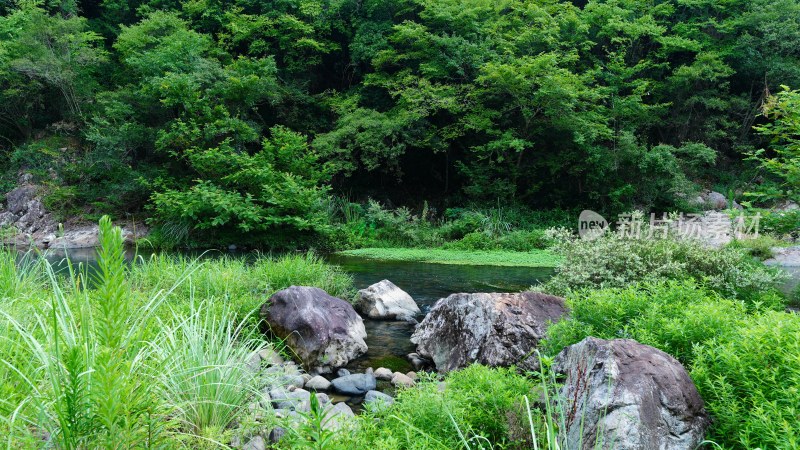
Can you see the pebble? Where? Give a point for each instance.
(403, 380)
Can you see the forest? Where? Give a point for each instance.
(400, 224)
(255, 121)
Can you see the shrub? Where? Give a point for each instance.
(750, 381)
(673, 316)
(614, 261)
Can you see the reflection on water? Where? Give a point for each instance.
(426, 283)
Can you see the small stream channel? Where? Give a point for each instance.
(388, 341)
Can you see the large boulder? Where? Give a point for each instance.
(384, 300)
(490, 329)
(626, 395)
(325, 332)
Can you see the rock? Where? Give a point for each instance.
(285, 375)
(490, 329)
(338, 416)
(80, 237)
(412, 375)
(785, 257)
(257, 443)
(715, 200)
(342, 372)
(384, 300)
(377, 401)
(787, 206)
(323, 331)
(297, 400)
(318, 383)
(417, 361)
(355, 384)
(633, 395)
(323, 398)
(383, 373)
(270, 356)
(401, 380)
(253, 363)
(276, 434)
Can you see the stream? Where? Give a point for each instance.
(388, 341)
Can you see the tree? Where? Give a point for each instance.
(783, 132)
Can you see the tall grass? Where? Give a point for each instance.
(79, 358)
(203, 374)
(143, 356)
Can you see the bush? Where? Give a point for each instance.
(673, 316)
(273, 198)
(750, 381)
(613, 261)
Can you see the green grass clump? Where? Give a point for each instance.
(476, 401)
(750, 382)
(539, 258)
(235, 282)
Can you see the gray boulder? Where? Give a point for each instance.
(490, 329)
(256, 443)
(296, 400)
(323, 331)
(384, 300)
(715, 200)
(355, 384)
(377, 401)
(627, 396)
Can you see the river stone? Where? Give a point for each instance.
(384, 300)
(257, 443)
(378, 401)
(490, 329)
(318, 383)
(297, 400)
(633, 395)
(355, 384)
(337, 416)
(715, 200)
(401, 380)
(323, 331)
(382, 373)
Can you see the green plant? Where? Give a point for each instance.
(750, 379)
(79, 361)
(674, 316)
(202, 368)
(783, 132)
(615, 261)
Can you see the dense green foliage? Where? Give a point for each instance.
(616, 261)
(230, 121)
(717, 311)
